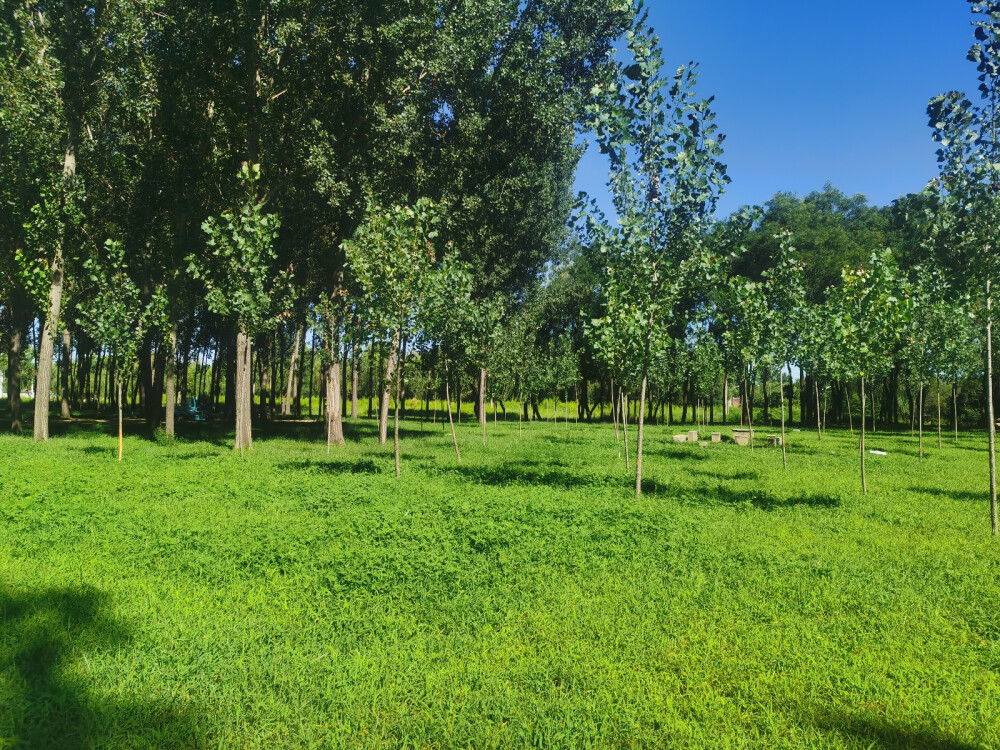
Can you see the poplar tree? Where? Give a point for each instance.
(666, 178)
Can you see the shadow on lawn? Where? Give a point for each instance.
(761, 499)
(963, 495)
(880, 734)
(48, 700)
(335, 466)
(530, 473)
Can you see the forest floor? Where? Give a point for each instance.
(193, 597)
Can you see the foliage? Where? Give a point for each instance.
(113, 313)
(239, 273)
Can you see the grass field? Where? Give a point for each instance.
(193, 597)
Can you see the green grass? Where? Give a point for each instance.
(193, 597)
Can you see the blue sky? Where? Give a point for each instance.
(816, 90)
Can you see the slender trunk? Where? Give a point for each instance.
(749, 416)
(334, 409)
(354, 379)
(614, 410)
(121, 436)
(939, 411)
(954, 406)
(64, 374)
(482, 401)
(481, 405)
(991, 416)
(171, 380)
(286, 405)
(819, 413)
(725, 400)
(400, 394)
(864, 479)
(390, 373)
(15, 352)
(638, 445)
(447, 400)
(624, 403)
(312, 372)
(920, 417)
(244, 393)
(781, 385)
(803, 397)
(371, 376)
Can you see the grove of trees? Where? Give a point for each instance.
(288, 206)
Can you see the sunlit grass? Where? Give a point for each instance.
(193, 597)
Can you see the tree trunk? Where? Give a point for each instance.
(864, 479)
(354, 379)
(803, 398)
(371, 375)
(154, 397)
(286, 405)
(920, 417)
(781, 385)
(401, 355)
(638, 444)
(121, 436)
(819, 412)
(939, 411)
(243, 392)
(15, 353)
(447, 400)
(171, 380)
(390, 373)
(64, 375)
(954, 406)
(991, 416)
(623, 400)
(334, 408)
(481, 401)
(43, 373)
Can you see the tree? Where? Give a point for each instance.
(241, 283)
(966, 193)
(666, 178)
(866, 320)
(113, 314)
(391, 255)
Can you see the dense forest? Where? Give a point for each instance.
(286, 208)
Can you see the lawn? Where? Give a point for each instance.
(193, 597)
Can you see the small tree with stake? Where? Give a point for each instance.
(114, 316)
(666, 178)
(391, 256)
(865, 320)
(241, 283)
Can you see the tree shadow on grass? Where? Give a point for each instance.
(760, 499)
(680, 454)
(962, 495)
(881, 734)
(46, 700)
(335, 466)
(739, 476)
(536, 474)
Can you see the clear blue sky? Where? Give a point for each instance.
(816, 90)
